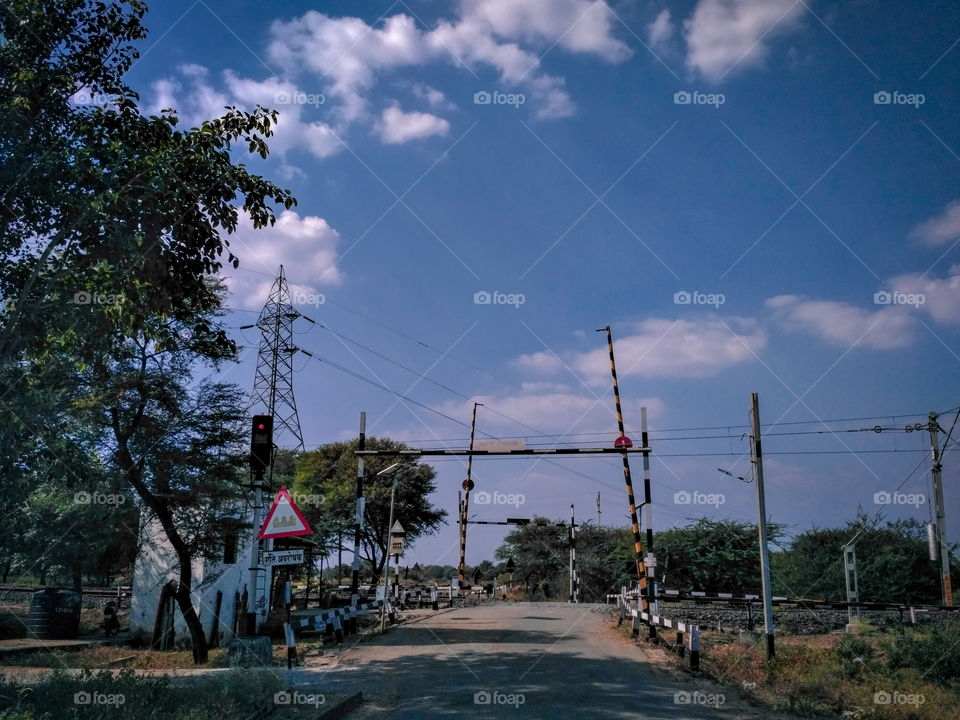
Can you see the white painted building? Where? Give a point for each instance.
(156, 565)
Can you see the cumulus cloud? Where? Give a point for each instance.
(306, 246)
(660, 30)
(941, 296)
(941, 229)
(723, 34)
(197, 100)
(397, 126)
(843, 324)
(348, 54)
(435, 98)
(551, 408)
(540, 362)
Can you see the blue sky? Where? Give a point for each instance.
(782, 197)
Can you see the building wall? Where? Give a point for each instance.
(156, 564)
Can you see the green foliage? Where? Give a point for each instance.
(328, 477)
(234, 694)
(712, 555)
(935, 652)
(813, 564)
(539, 552)
(856, 655)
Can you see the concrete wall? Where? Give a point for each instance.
(156, 564)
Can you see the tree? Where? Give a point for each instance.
(329, 474)
(113, 228)
(539, 551)
(893, 564)
(711, 555)
(98, 201)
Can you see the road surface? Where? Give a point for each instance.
(522, 660)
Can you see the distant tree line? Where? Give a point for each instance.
(723, 556)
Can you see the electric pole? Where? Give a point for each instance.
(358, 522)
(467, 486)
(941, 512)
(598, 509)
(762, 523)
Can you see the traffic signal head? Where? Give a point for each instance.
(261, 442)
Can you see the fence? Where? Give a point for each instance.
(688, 636)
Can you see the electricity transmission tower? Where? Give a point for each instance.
(273, 382)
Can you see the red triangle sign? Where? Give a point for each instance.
(284, 519)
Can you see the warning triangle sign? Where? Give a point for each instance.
(284, 519)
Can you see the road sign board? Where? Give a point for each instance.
(281, 557)
(284, 519)
(468, 485)
(500, 445)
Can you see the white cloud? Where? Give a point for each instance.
(347, 54)
(197, 100)
(659, 347)
(540, 362)
(397, 126)
(576, 25)
(660, 30)
(722, 34)
(940, 229)
(552, 408)
(941, 296)
(434, 97)
(843, 324)
(306, 247)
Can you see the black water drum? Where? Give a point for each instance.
(54, 614)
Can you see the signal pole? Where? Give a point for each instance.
(762, 524)
(946, 585)
(467, 486)
(358, 521)
(573, 558)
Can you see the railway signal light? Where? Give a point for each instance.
(261, 442)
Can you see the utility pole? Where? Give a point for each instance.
(573, 558)
(598, 510)
(762, 523)
(358, 521)
(467, 486)
(946, 585)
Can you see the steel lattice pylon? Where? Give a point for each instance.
(273, 382)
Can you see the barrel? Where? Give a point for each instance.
(54, 614)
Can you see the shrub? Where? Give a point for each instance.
(934, 652)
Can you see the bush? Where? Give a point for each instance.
(934, 652)
(856, 655)
(127, 696)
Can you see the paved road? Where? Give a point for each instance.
(521, 660)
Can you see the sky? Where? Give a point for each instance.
(755, 195)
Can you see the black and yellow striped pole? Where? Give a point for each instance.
(467, 487)
(622, 441)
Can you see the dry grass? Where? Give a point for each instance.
(811, 676)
